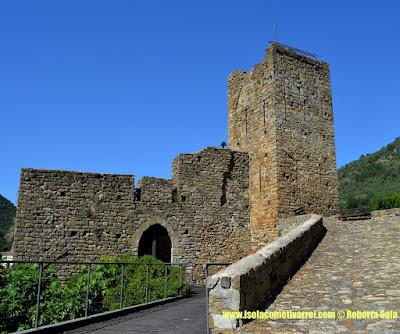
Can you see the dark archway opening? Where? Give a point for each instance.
(155, 241)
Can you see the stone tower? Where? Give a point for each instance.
(281, 114)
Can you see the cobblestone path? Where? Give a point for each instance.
(355, 267)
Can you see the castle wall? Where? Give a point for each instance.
(281, 114)
(307, 176)
(71, 215)
(214, 186)
(251, 128)
(219, 204)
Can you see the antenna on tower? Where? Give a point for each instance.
(274, 32)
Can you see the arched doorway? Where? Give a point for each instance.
(155, 241)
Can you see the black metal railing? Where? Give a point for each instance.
(148, 280)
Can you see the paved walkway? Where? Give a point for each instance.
(181, 317)
(355, 267)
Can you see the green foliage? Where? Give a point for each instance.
(7, 214)
(134, 277)
(381, 202)
(65, 301)
(376, 174)
(18, 296)
(62, 301)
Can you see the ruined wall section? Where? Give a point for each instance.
(306, 158)
(82, 216)
(70, 215)
(251, 127)
(154, 191)
(212, 188)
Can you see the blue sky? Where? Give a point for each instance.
(125, 86)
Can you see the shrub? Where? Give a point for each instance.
(18, 296)
(134, 277)
(381, 202)
(353, 202)
(62, 301)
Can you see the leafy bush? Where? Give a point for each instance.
(18, 285)
(62, 301)
(353, 202)
(134, 277)
(65, 301)
(381, 202)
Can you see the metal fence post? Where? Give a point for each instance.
(87, 291)
(206, 277)
(121, 292)
(180, 279)
(38, 294)
(165, 281)
(186, 279)
(147, 282)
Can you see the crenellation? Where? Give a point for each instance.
(155, 190)
(72, 215)
(220, 204)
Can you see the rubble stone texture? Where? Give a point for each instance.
(355, 267)
(281, 114)
(79, 216)
(260, 274)
(220, 204)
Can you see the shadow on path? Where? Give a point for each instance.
(183, 316)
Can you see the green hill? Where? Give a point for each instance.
(7, 214)
(363, 181)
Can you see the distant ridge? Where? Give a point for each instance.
(371, 175)
(7, 214)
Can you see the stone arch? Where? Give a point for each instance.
(157, 221)
(155, 241)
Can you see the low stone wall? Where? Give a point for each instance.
(285, 225)
(386, 213)
(252, 282)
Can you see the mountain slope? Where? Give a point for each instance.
(7, 214)
(371, 175)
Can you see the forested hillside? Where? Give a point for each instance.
(365, 182)
(7, 214)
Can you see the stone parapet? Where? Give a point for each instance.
(386, 213)
(290, 223)
(246, 284)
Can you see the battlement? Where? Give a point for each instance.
(220, 203)
(71, 215)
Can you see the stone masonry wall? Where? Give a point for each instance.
(247, 284)
(285, 225)
(219, 204)
(72, 215)
(307, 176)
(80, 216)
(251, 128)
(281, 114)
